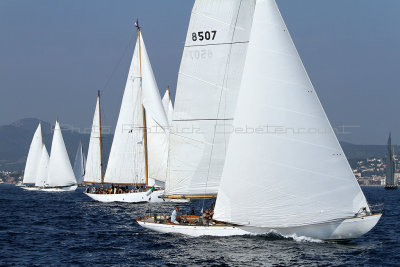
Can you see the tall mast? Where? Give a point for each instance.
(143, 109)
(101, 142)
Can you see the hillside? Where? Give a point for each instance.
(16, 137)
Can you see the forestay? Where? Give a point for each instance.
(41, 176)
(126, 164)
(33, 159)
(60, 171)
(208, 83)
(284, 164)
(93, 162)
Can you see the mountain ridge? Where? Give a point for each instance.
(15, 139)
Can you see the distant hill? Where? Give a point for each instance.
(16, 138)
(353, 151)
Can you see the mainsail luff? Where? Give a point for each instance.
(292, 166)
(33, 158)
(146, 167)
(390, 164)
(208, 83)
(94, 160)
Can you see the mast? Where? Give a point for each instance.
(143, 109)
(101, 143)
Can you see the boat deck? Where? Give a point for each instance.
(195, 220)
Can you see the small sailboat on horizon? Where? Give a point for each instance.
(60, 176)
(391, 181)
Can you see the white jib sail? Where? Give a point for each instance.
(126, 164)
(60, 171)
(93, 160)
(33, 159)
(79, 164)
(208, 83)
(284, 164)
(41, 176)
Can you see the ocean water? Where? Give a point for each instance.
(42, 228)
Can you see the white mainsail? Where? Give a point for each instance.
(284, 165)
(208, 83)
(34, 155)
(93, 169)
(60, 171)
(79, 164)
(390, 164)
(41, 175)
(126, 164)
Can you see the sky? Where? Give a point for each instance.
(55, 55)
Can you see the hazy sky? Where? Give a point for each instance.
(55, 55)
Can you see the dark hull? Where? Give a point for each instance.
(391, 187)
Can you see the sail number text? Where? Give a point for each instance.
(201, 36)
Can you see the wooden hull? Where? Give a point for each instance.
(346, 229)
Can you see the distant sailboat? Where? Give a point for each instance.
(60, 176)
(275, 178)
(130, 161)
(33, 159)
(94, 161)
(79, 165)
(391, 181)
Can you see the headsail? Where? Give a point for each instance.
(79, 164)
(158, 146)
(126, 164)
(93, 168)
(284, 151)
(390, 164)
(60, 171)
(34, 155)
(41, 176)
(208, 83)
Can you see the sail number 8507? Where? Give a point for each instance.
(207, 35)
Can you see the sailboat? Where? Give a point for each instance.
(33, 160)
(60, 176)
(284, 169)
(391, 181)
(79, 165)
(132, 160)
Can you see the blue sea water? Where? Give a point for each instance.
(42, 228)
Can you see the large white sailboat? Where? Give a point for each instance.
(33, 160)
(137, 153)
(284, 169)
(60, 176)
